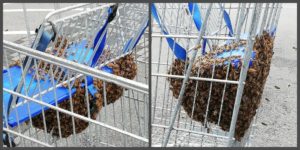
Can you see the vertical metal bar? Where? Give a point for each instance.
(105, 108)
(174, 114)
(157, 70)
(270, 16)
(209, 94)
(56, 103)
(27, 24)
(243, 76)
(20, 85)
(274, 15)
(71, 104)
(264, 18)
(240, 23)
(88, 102)
(4, 108)
(237, 17)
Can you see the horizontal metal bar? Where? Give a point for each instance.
(190, 131)
(77, 116)
(80, 13)
(26, 137)
(17, 32)
(194, 36)
(64, 10)
(196, 78)
(78, 67)
(36, 10)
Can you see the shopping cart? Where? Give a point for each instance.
(207, 56)
(57, 100)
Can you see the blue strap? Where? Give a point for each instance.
(102, 43)
(111, 15)
(126, 47)
(179, 51)
(228, 22)
(195, 12)
(204, 46)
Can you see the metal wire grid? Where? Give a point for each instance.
(124, 123)
(187, 132)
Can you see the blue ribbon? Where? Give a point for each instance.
(126, 47)
(195, 12)
(228, 22)
(178, 50)
(102, 43)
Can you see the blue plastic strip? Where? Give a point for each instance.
(179, 51)
(102, 44)
(126, 47)
(235, 52)
(204, 46)
(107, 69)
(195, 12)
(228, 22)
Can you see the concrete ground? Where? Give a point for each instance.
(277, 122)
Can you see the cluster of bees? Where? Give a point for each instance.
(124, 67)
(80, 106)
(253, 89)
(59, 51)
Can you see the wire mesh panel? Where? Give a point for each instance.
(209, 66)
(83, 81)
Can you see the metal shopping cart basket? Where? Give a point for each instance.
(209, 72)
(83, 82)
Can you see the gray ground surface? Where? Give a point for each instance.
(279, 107)
(129, 114)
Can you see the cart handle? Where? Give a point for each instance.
(51, 14)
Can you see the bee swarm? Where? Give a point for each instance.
(79, 103)
(124, 67)
(253, 89)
